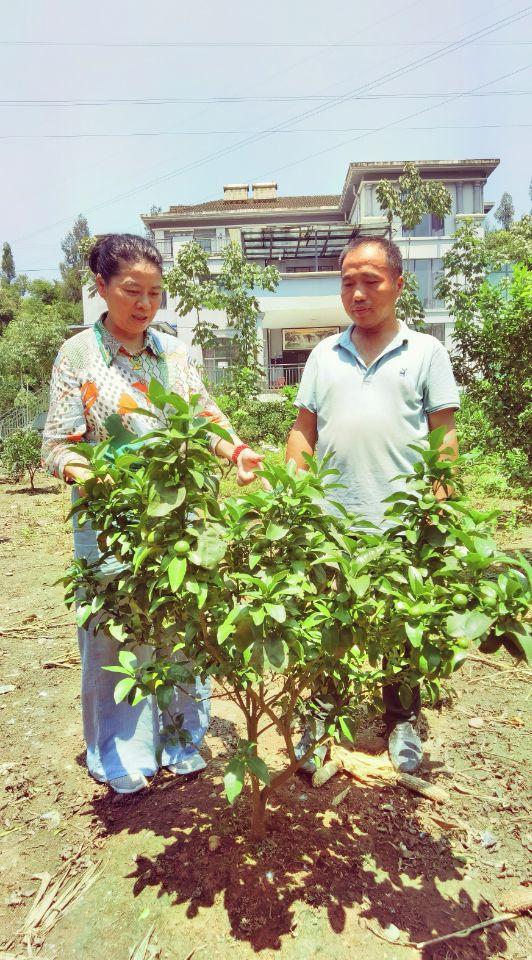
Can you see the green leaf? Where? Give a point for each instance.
(234, 778)
(436, 438)
(348, 728)
(165, 696)
(127, 659)
(414, 634)
(360, 585)
(97, 603)
(275, 532)
(416, 581)
(276, 652)
(82, 614)
(470, 625)
(167, 501)
(405, 696)
(122, 688)
(141, 552)
(119, 434)
(210, 550)
(117, 631)
(203, 592)
(258, 768)
(429, 659)
(176, 572)
(157, 394)
(227, 627)
(276, 611)
(254, 559)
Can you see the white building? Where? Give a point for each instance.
(303, 236)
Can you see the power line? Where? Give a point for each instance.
(210, 133)
(243, 44)
(386, 126)
(162, 101)
(408, 68)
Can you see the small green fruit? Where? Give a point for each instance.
(460, 600)
(181, 547)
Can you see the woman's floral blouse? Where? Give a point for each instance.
(94, 376)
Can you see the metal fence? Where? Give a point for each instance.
(284, 375)
(276, 376)
(22, 418)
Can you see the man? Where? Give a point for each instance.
(365, 395)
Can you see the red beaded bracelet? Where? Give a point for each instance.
(238, 450)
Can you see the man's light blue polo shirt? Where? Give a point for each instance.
(368, 416)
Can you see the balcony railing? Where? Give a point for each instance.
(276, 376)
(283, 375)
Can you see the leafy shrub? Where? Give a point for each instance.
(258, 421)
(20, 452)
(475, 429)
(274, 596)
(290, 393)
(264, 422)
(503, 467)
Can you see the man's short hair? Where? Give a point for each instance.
(394, 257)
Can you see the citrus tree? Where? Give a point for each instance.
(21, 452)
(275, 596)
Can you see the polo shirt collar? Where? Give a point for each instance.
(402, 336)
(109, 345)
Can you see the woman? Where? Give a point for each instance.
(100, 371)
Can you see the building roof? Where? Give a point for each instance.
(324, 204)
(271, 203)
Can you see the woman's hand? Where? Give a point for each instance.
(247, 463)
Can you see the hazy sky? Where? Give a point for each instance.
(369, 81)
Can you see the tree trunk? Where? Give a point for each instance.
(258, 812)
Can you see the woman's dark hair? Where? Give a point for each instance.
(110, 252)
(394, 257)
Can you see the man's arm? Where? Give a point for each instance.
(445, 418)
(302, 438)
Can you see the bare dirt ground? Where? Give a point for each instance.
(367, 878)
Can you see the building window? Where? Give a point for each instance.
(429, 226)
(427, 273)
(222, 356)
(468, 198)
(164, 300)
(205, 239)
(164, 246)
(437, 330)
(372, 207)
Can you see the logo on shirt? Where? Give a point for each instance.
(402, 373)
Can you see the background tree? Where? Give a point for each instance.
(492, 348)
(190, 282)
(505, 212)
(47, 291)
(21, 452)
(72, 266)
(513, 245)
(29, 346)
(232, 290)
(410, 198)
(8, 264)
(9, 303)
(237, 281)
(409, 306)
